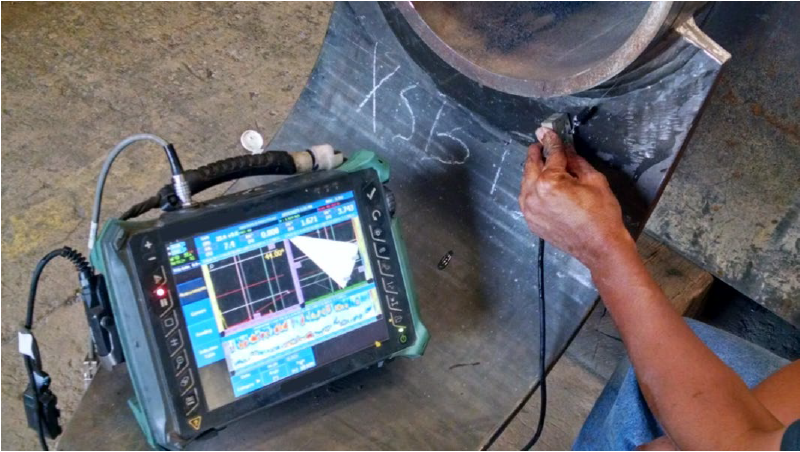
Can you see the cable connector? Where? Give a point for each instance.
(324, 157)
(42, 409)
(182, 190)
(107, 343)
(40, 403)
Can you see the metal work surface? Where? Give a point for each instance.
(734, 203)
(456, 150)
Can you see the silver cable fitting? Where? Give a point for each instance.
(182, 190)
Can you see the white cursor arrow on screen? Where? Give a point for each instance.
(335, 258)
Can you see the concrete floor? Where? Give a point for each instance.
(77, 78)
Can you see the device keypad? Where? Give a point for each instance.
(382, 251)
(163, 306)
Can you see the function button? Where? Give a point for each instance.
(397, 319)
(385, 268)
(377, 215)
(381, 250)
(195, 422)
(371, 191)
(169, 322)
(180, 361)
(389, 285)
(148, 246)
(159, 277)
(185, 381)
(190, 401)
(377, 233)
(391, 203)
(164, 305)
(174, 343)
(394, 303)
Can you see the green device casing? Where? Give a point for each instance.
(117, 254)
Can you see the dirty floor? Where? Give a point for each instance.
(77, 78)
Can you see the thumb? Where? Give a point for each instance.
(554, 150)
(551, 141)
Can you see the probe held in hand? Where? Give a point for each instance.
(564, 126)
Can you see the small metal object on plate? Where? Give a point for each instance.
(445, 260)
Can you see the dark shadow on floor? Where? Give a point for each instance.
(729, 310)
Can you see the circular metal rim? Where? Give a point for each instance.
(647, 30)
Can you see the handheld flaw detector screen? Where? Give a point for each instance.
(272, 297)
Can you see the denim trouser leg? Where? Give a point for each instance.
(621, 420)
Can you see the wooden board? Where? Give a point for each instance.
(684, 283)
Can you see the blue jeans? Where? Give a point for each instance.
(621, 420)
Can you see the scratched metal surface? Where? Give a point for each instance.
(456, 151)
(734, 204)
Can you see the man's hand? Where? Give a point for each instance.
(569, 203)
(701, 403)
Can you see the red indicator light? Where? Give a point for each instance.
(160, 292)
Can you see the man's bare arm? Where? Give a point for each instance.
(701, 402)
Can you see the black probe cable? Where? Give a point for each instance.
(542, 381)
(233, 168)
(83, 267)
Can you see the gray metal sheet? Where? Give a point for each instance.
(734, 203)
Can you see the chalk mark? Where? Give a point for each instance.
(497, 174)
(410, 112)
(531, 138)
(447, 135)
(373, 94)
(454, 138)
(433, 127)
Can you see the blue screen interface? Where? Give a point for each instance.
(274, 296)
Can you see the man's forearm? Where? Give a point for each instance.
(700, 401)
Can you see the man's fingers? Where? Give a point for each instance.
(554, 150)
(578, 165)
(534, 163)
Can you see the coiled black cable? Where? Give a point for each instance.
(207, 176)
(85, 270)
(78, 260)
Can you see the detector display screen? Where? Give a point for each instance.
(273, 297)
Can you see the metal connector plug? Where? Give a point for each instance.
(182, 190)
